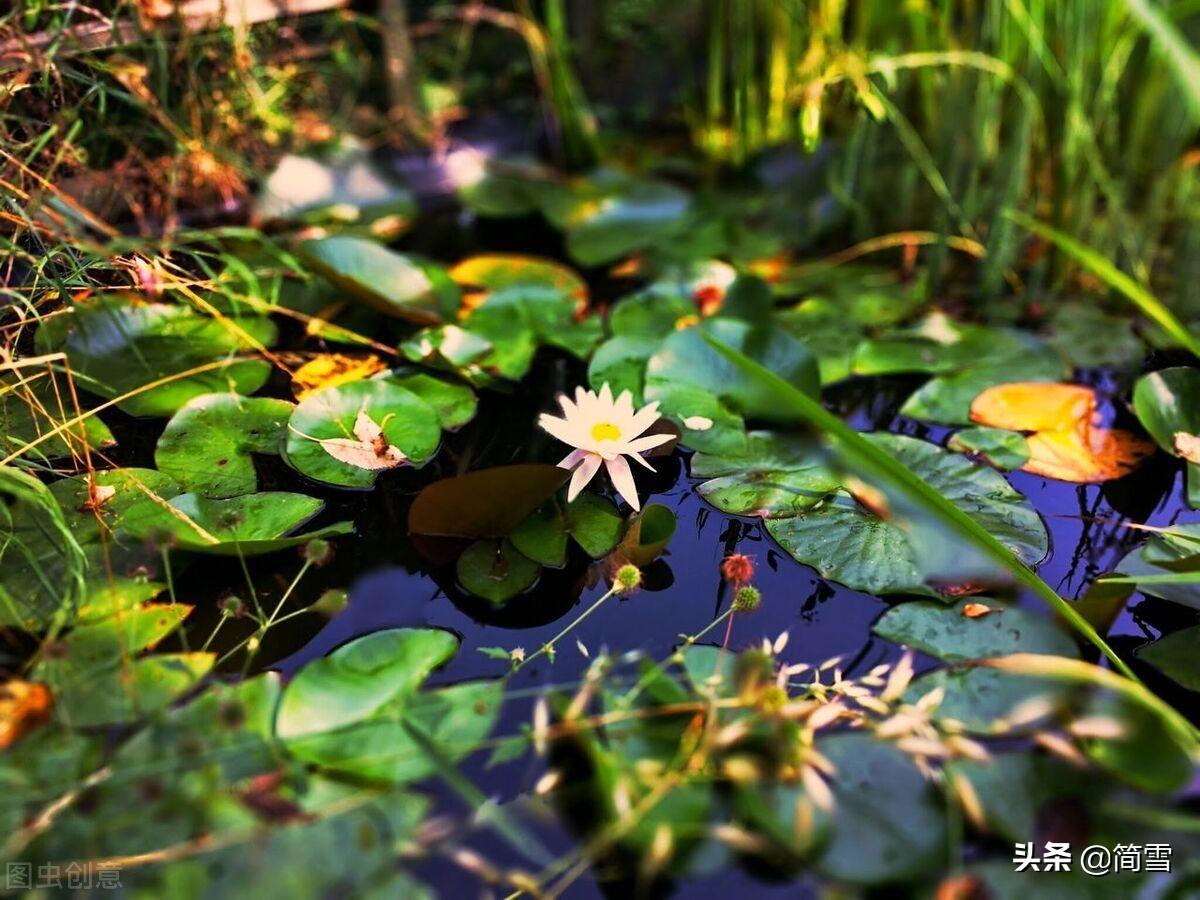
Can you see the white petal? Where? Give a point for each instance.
(697, 423)
(637, 457)
(646, 416)
(625, 403)
(586, 471)
(572, 459)
(565, 431)
(622, 479)
(570, 410)
(649, 442)
(606, 396)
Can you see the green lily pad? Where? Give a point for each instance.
(249, 525)
(37, 403)
(502, 334)
(982, 700)
(117, 345)
(343, 188)
(609, 215)
(777, 475)
(1167, 402)
(207, 445)
(899, 550)
(948, 634)
(497, 271)
(356, 710)
(389, 282)
(890, 825)
(1175, 656)
(1092, 338)
(39, 560)
(1006, 450)
(1013, 788)
(1156, 559)
(412, 411)
(590, 520)
(496, 570)
(97, 677)
(965, 360)
(690, 379)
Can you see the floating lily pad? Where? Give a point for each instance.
(590, 520)
(778, 475)
(890, 549)
(947, 633)
(890, 824)
(412, 411)
(692, 380)
(343, 188)
(496, 570)
(33, 584)
(1006, 450)
(610, 215)
(496, 271)
(1168, 404)
(965, 360)
(117, 345)
(96, 682)
(207, 445)
(34, 405)
(389, 282)
(501, 335)
(1092, 338)
(484, 503)
(248, 525)
(359, 710)
(1175, 656)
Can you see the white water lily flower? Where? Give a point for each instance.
(604, 431)
(371, 450)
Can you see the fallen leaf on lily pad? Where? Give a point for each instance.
(1188, 446)
(369, 449)
(332, 369)
(1065, 438)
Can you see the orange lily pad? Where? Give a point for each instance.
(1065, 437)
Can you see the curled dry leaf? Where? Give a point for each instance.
(1065, 438)
(976, 610)
(369, 450)
(332, 369)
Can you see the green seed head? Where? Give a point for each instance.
(628, 578)
(747, 599)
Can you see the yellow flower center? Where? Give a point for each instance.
(605, 431)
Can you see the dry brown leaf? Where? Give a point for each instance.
(976, 610)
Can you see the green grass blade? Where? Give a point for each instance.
(1137, 294)
(1181, 57)
(860, 454)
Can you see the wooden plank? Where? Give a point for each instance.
(157, 15)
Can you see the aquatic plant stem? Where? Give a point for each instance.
(860, 454)
(548, 647)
